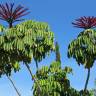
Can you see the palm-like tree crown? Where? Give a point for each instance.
(10, 14)
(85, 22)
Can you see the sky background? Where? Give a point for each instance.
(59, 14)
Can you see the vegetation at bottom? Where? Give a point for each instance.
(53, 80)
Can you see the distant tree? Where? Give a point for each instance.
(84, 46)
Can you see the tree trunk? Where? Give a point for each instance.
(57, 53)
(36, 64)
(39, 88)
(10, 25)
(87, 80)
(29, 71)
(14, 86)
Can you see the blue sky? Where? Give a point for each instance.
(58, 14)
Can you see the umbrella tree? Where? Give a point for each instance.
(11, 14)
(83, 48)
(22, 43)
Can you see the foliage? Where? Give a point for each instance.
(83, 48)
(85, 22)
(10, 14)
(23, 42)
(53, 80)
(34, 40)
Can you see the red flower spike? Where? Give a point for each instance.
(10, 14)
(85, 22)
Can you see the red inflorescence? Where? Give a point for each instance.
(11, 14)
(85, 22)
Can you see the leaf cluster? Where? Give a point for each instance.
(23, 42)
(53, 80)
(83, 48)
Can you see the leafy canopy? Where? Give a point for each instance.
(83, 48)
(23, 42)
(53, 80)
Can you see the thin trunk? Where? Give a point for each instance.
(39, 88)
(36, 64)
(87, 80)
(10, 25)
(14, 86)
(29, 71)
(57, 52)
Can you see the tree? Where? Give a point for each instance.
(23, 42)
(83, 47)
(53, 80)
(10, 14)
(5, 64)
